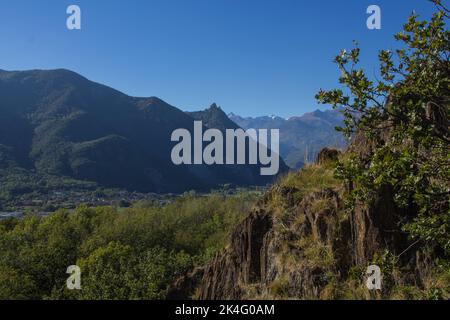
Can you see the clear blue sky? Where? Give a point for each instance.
(252, 57)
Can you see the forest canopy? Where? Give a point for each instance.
(131, 253)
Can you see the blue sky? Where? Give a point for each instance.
(252, 57)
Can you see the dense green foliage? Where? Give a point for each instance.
(131, 253)
(404, 119)
(18, 183)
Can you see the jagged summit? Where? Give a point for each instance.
(301, 137)
(214, 106)
(57, 122)
(214, 117)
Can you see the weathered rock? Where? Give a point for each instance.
(375, 228)
(186, 286)
(327, 155)
(302, 247)
(240, 263)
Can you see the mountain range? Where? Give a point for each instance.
(301, 137)
(58, 123)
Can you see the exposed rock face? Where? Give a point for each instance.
(252, 256)
(376, 228)
(286, 266)
(299, 247)
(240, 263)
(326, 155)
(185, 286)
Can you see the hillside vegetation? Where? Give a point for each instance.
(129, 253)
(384, 202)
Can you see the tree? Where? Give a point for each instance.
(404, 118)
(108, 273)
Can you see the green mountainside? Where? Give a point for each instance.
(57, 124)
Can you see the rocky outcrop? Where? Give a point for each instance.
(185, 287)
(302, 247)
(251, 263)
(376, 227)
(327, 155)
(239, 264)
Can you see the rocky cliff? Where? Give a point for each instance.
(300, 242)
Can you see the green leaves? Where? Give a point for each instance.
(131, 253)
(403, 119)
